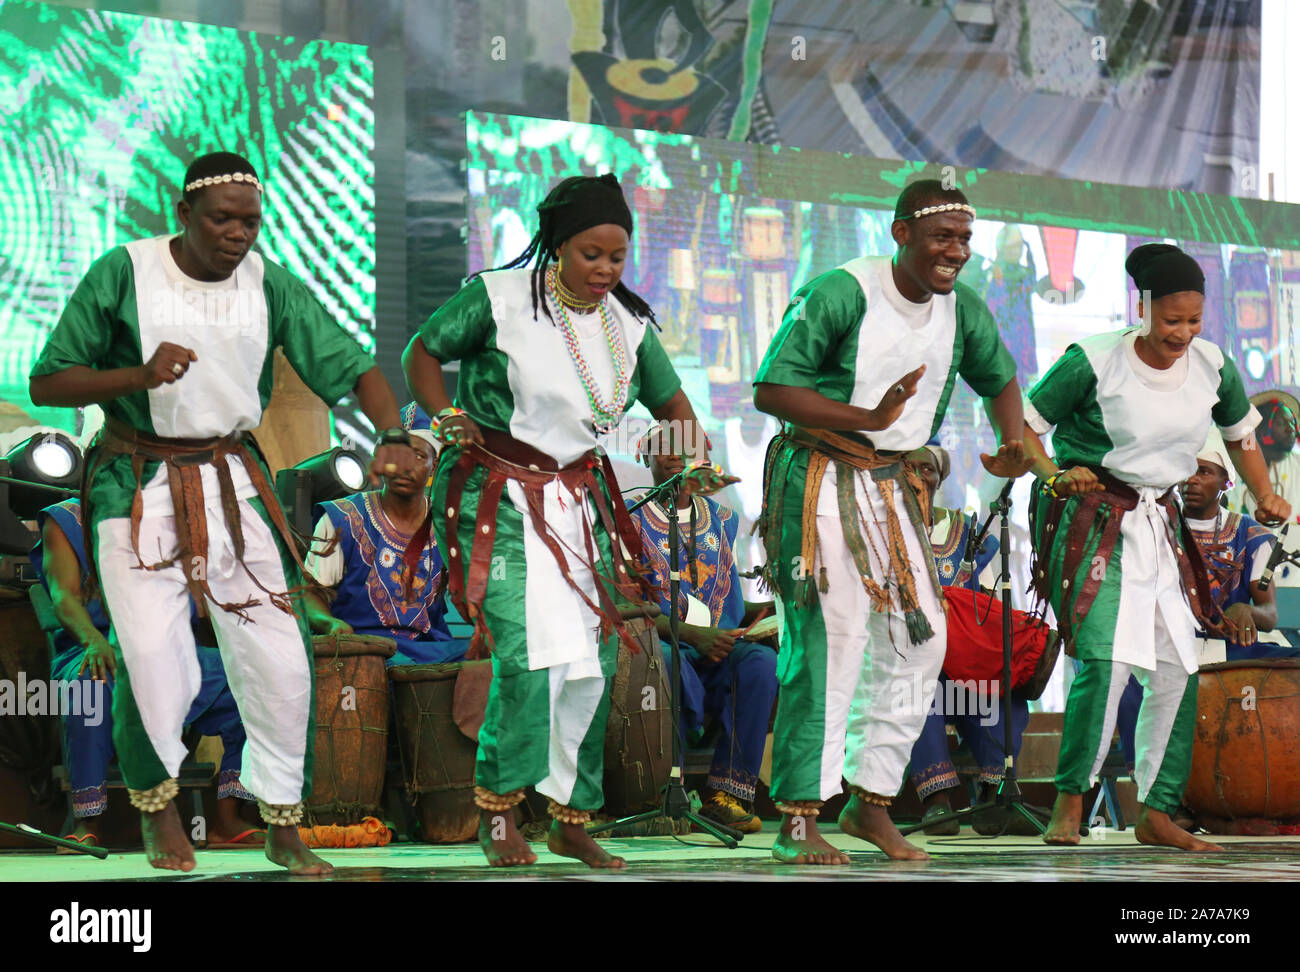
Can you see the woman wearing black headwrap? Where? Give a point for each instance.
(528, 509)
(1131, 410)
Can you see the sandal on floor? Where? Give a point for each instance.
(253, 837)
(86, 840)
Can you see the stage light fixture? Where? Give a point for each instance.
(330, 475)
(49, 459)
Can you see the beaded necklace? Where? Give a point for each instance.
(605, 416)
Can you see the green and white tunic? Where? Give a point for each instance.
(829, 342)
(135, 297)
(516, 376)
(1109, 410)
(850, 335)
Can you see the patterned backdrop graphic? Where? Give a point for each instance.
(101, 112)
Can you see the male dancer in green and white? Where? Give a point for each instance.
(174, 336)
(871, 349)
(1129, 411)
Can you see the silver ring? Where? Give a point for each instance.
(898, 389)
(177, 369)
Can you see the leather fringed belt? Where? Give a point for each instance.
(506, 458)
(1098, 517)
(849, 452)
(183, 458)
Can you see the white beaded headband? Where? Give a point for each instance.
(228, 177)
(945, 208)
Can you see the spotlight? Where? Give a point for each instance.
(40, 470)
(328, 476)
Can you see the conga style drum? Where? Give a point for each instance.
(351, 728)
(975, 644)
(438, 711)
(1246, 757)
(638, 732)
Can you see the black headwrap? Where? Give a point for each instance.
(1161, 269)
(589, 202)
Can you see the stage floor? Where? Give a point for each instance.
(1115, 857)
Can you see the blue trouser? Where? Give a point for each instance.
(88, 737)
(737, 691)
(932, 768)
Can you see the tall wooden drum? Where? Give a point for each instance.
(439, 709)
(638, 733)
(351, 728)
(1246, 760)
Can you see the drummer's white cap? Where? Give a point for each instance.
(428, 436)
(1215, 451)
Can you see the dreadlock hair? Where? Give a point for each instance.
(214, 164)
(925, 192)
(542, 247)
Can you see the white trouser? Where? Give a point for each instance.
(266, 662)
(876, 702)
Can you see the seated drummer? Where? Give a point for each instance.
(1235, 549)
(375, 593)
(726, 677)
(84, 650)
(932, 770)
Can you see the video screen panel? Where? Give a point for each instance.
(726, 232)
(101, 112)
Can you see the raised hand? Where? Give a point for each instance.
(891, 404)
(167, 364)
(1272, 510)
(1009, 462)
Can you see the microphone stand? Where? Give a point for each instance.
(1008, 796)
(676, 805)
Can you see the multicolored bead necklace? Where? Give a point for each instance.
(605, 416)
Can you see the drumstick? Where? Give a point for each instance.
(753, 624)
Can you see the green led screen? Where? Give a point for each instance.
(100, 113)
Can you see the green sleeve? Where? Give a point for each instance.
(461, 327)
(821, 315)
(655, 375)
(1067, 385)
(88, 328)
(1233, 405)
(326, 357)
(986, 364)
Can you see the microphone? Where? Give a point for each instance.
(967, 566)
(1276, 557)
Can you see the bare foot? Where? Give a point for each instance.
(165, 843)
(501, 840)
(284, 846)
(1063, 828)
(871, 822)
(799, 842)
(1155, 827)
(572, 840)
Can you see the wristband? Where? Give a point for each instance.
(451, 411)
(395, 436)
(1050, 483)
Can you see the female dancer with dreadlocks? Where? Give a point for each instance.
(549, 362)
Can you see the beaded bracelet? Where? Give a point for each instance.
(451, 411)
(1050, 483)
